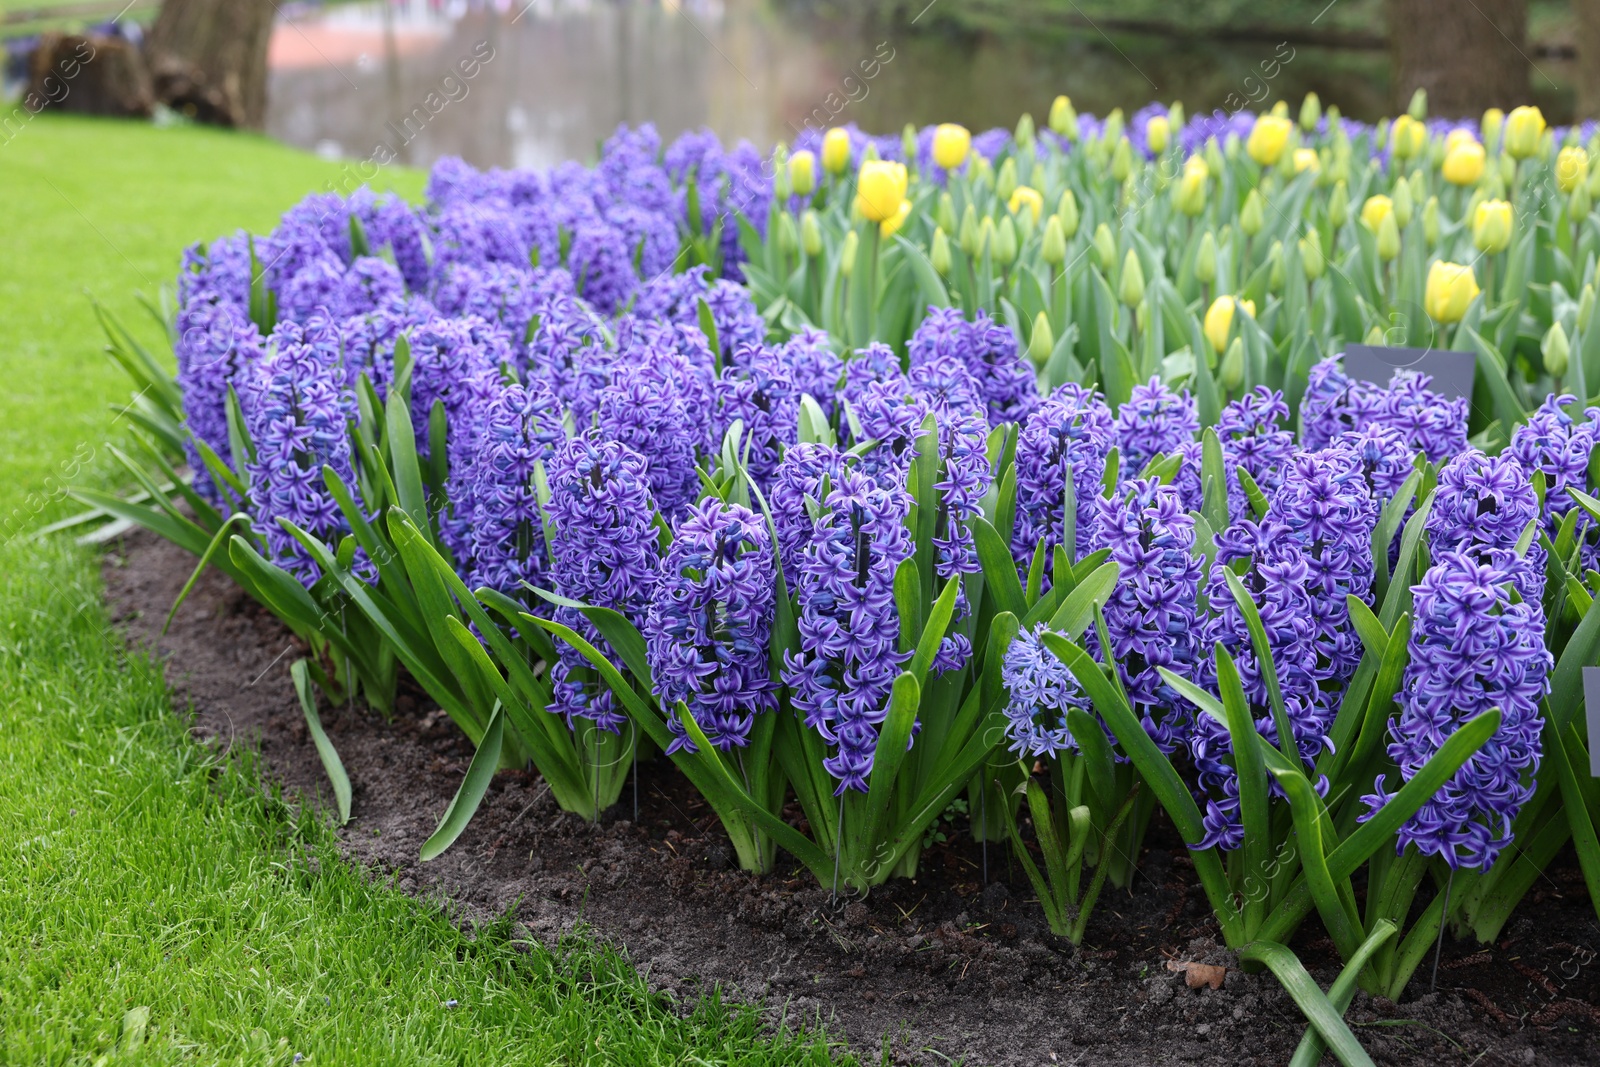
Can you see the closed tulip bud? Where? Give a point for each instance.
(1005, 242)
(1418, 109)
(1232, 375)
(908, 144)
(980, 168)
(788, 236)
(1156, 133)
(1402, 204)
(1122, 159)
(1406, 137)
(1311, 258)
(1463, 164)
(1131, 289)
(1024, 132)
(987, 236)
(847, 254)
(803, 173)
(1450, 288)
(1579, 203)
(1547, 145)
(945, 214)
(1218, 323)
(1175, 115)
(1189, 195)
(1557, 351)
(939, 254)
(1585, 308)
(1430, 221)
(1275, 267)
(1339, 203)
(1376, 338)
(1251, 218)
(1006, 183)
(1388, 238)
(1205, 259)
(1053, 247)
(836, 150)
(1491, 227)
(1489, 129)
(1375, 210)
(968, 235)
(810, 234)
(1105, 247)
(1524, 129)
(1067, 211)
(1113, 126)
(1042, 342)
(1063, 119)
(1572, 168)
(1310, 112)
(870, 154)
(1268, 138)
(1213, 156)
(951, 143)
(880, 189)
(1306, 159)
(782, 186)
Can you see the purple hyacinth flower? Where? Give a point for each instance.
(1482, 506)
(1067, 436)
(1155, 421)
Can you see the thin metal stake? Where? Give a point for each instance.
(1444, 917)
(983, 820)
(838, 845)
(636, 774)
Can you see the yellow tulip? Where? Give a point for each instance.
(836, 150)
(1064, 120)
(803, 172)
(1375, 210)
(1463, 164)
(1572, 167)
(1494, 121)
(1451, 288)
(950, 145)
(1406, 137)
(1310, 112)
(889, 225)
(1029, 197)
(1524, 129)
(1458, 136)
(880, 189)
(1219, 319)
(1268, 139)
(1190, 193)
(1491, 227)
(1156, 133)
(1306, 159)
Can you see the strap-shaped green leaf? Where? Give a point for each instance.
(1099, 764)
(1309, 1053)
(1310, 999)
(933, 632)
(325, 750)
(1374, 638)
(1338, 916)
(1265, 664)
(999, 568)
(480, 772)
(222, 533)
(402, 444)
(894, 739)
(1092, 592)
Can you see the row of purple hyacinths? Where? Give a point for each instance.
(594, 369)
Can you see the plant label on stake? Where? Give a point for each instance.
(1591, 703)
(1451, 371)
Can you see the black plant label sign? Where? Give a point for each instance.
(1451, 371)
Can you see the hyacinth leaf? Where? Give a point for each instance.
(894, 741)
(999, 568)
(1310, 999)
(624, 637)
(216, 542)
(220, 472)
(1264, 663)
(379, 550)
(1088, 596)
(1030, 595)
(1374, 638)
(1492, 371)
(814, 424)
(1342, 992)
(1215, 477)
(1398, 598)
(1051, 889)
(1379, 829)
(402, 443)
(137, 361)
(991, 688)
(180, 531)
(207, 515)
(1380, 706)
(1158, 773)
(1099, 764)
(933, 631)
(1566, 681)
(1252, 492)
(908, 601)
(1571, 760)
(331, 763)
(470, 793)
(1336, 908)
(1389, 523)
(1251, 774)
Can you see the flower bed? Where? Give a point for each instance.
(847, 564)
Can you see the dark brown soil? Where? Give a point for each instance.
(942, 968)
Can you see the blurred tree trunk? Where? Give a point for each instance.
(208, 59)
(1586, 14)
(1468, 56)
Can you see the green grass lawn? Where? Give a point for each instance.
(157, 906)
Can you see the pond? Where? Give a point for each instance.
(520, 83)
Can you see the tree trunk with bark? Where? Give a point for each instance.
(88, 76)
(1468, 56)
(208, 59)
(1586, 16)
